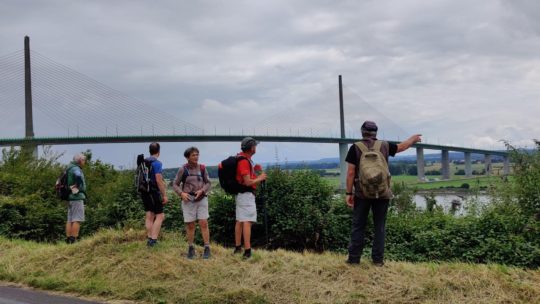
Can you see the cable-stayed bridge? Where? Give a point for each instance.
(73, 108)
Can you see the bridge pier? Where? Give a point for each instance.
(420, 163)
(445, 162)
(487, 163)
(506, 166)
(468, 164)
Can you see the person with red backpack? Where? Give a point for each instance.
(192, 185)
(369, 174)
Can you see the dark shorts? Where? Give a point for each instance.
(152, 202)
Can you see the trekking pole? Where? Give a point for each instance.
(263, 198)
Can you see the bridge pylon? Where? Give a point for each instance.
(29, 119)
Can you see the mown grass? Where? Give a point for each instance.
(116, 265)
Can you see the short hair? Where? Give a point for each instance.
(190, 150)
(79, 157)
(154, 148)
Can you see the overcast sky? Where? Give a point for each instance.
(464, 73)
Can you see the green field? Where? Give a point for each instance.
(437, 183)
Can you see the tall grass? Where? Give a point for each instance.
(116, 265)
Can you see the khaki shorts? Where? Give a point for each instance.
(195, 210)
(75, 211)
(246, 210)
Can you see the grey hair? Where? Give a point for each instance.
(79, 157)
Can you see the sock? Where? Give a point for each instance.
(206, 245)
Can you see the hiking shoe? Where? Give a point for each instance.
(191, 253)
(378, 264)
(206, 253)
(352, 262)
(247, 254)
(238, 250)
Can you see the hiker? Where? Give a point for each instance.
(246, 211)
(156, 198)
(76, 198)
(368, 173)
(192, 185)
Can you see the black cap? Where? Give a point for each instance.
(369, 126)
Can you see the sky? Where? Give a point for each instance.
(462, 73)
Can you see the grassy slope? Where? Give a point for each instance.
(117, 265)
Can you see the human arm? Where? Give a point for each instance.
(408, 143)
(162, 188)
(248, 181)
(349, 196)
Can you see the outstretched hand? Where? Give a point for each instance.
(416, 138)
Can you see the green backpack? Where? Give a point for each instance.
(373, 172)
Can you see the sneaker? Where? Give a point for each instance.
(151, 243)
(238, 250)
(247, 254)
(206, 254)
(191, 253)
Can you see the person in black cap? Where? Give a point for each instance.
(371, 188)
(246, 211)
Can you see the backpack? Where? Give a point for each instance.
(142, 175)
(227, 175)
(61, 187)
(373, 171)
(202, 168)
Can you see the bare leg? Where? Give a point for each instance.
(149, 222)
(68, 229)
(75, 227)
(247, 234)
(190, 232)
(157, 225)
(238, 234)
(203, 224)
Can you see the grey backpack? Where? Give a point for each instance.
(373, 171)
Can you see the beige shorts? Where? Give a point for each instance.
(246, 210)
(195, 210)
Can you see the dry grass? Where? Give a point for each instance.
(116, 265)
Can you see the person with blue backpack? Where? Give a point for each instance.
(192, 184)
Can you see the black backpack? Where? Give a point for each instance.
(61, 187)
(142, 176)
(227, 175)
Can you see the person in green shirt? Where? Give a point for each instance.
(77, 184)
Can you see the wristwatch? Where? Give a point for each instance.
(348, 193)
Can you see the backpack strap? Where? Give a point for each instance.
(377, 146)
(185, 174)
(202, 169)
(362, 147)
